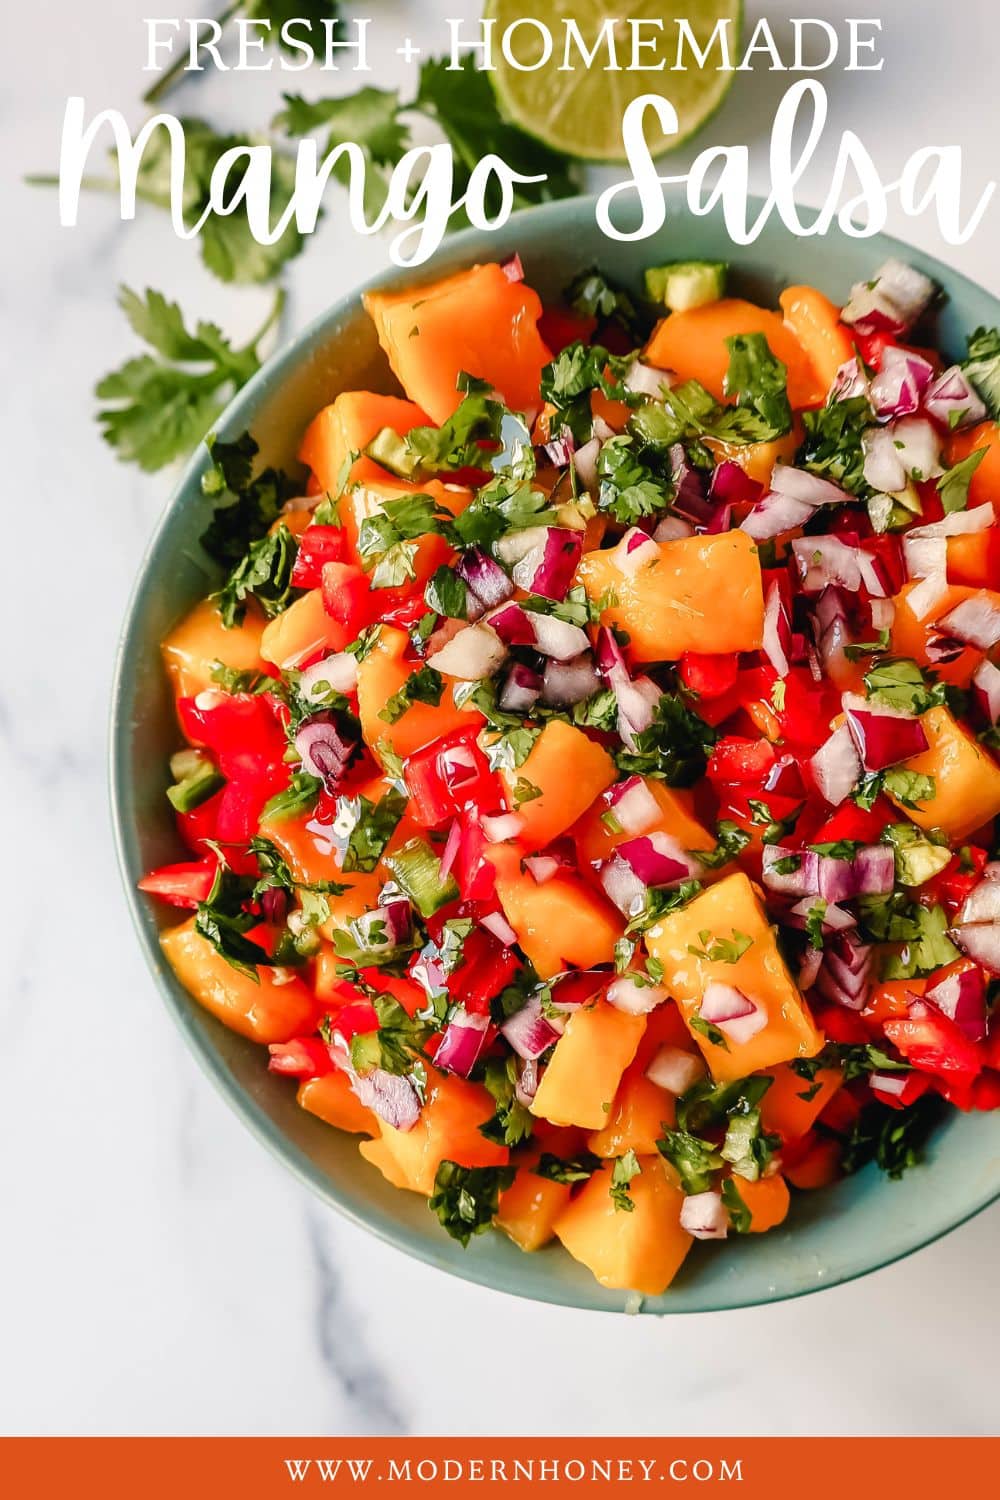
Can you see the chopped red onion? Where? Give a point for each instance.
(396, 917)
(512, 267)
(391, 1096)
(980, 941)
(883, 613)
(731, 485)
(477, 651)
(462, 1041)
(812, 962)
(777, 631)
(496, 923)
(635, 551)
(774, 515)
(558, 638)
(976, 621)
(636, 708)
(962, 997)
(337, 673)
(836, 767)
(675, 1070)
(501, 827)
(636, 809)
(486, 580)
(672, 529)
(526, 1085)
(883, 736)
(643, 380)
(940, 648)
(561, 449)
(548, 570)
(325, 751)
(953, 401)
(917, 443)
(835, 919)
(891, 302)
(955, 523)
(883, 467)
(928, 594)
(704, 1216)
(982, 904)
(513, 624)
(849, 382)
(826, 561)
(542, 867)
(657, 859)
(521, 690)
(622, 886)
(797, 882)
(569, 682)
(530, 1033)
(800, 484)
(986, 685)
(734, 1013)
(584, 461)
(902, 379)
(635, 995)
(689, 496)
(870, 873)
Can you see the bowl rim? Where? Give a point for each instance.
(423, 1248)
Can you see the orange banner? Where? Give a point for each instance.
(269, 1468)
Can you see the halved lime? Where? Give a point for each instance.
(579, 111)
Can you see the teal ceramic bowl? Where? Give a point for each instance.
(832, 1236)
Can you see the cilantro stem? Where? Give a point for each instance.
(166, 80)
(96, 185)
(277, 308)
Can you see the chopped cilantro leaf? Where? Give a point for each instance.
(465, 1199)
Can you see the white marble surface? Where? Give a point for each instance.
(158, 1272)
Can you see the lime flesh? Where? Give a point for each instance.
(579, 112)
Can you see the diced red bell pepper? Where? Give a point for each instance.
(355, 1018)
(841, 1112)
(182, 885)
(841, 1025)
(200, 824)
(318, 545)
(951, 887)
(806, 709)
(991, 1047)
(485, 970)
(887, 551)
(986, 1091)
(855, 824)
(448, 777)
(740, 760)
(708, 676)
(871, 346)
(932, 1042)
(475, 874)
(240, 806)
(914, 1085)
(241, 729)
(403, 609)
(305, 1057)
(348, 597)
(559, 326)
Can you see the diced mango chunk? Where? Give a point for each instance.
(638, 1117)
(193, 647)
(966, 779)
(562, 924)
(569, 771)
(332, 1099)
(731, 911)
(276, 1009)
(530, 1206)
(302, 633)
(580, 1082)
(641, 1251)
(702, 593)
(447, 1130)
